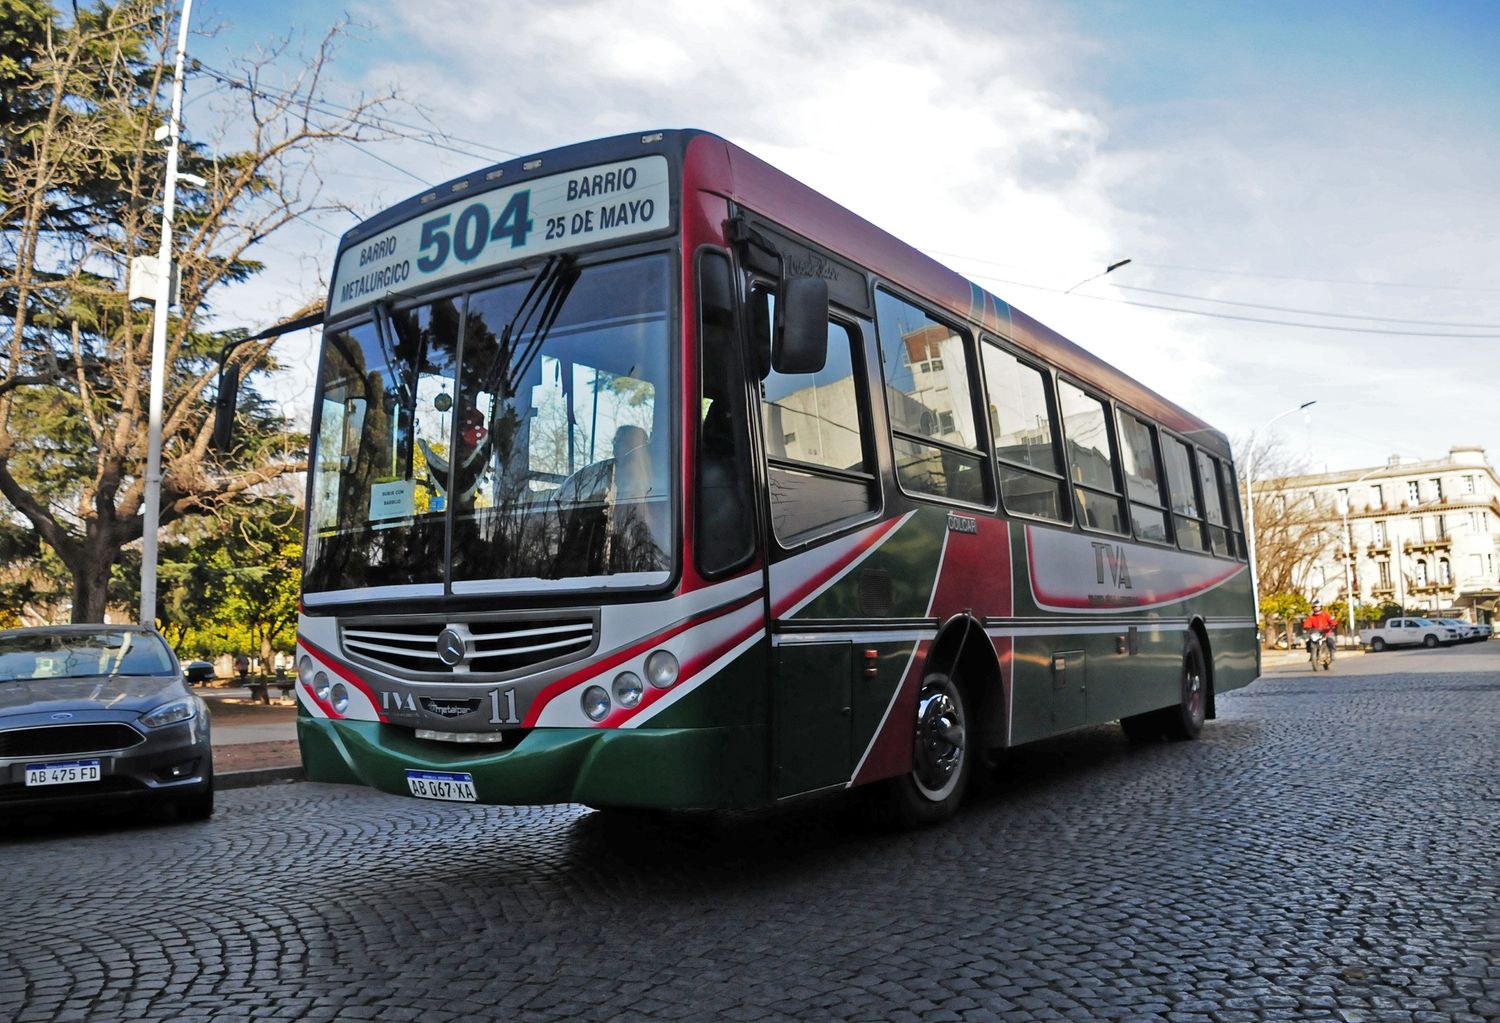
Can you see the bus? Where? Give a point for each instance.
(644, 476)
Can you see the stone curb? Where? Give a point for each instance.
(225, 780)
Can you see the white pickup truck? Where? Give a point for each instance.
(1407, 632)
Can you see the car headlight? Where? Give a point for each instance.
(169, 714)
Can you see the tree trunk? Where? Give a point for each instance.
(91, 585)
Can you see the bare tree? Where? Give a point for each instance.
(81, 181)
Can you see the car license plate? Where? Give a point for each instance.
(70, 773)
(457, 788)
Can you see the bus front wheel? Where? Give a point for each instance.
(941, 757)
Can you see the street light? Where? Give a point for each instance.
(1250, 495)
(1109, 269)
(151, 514)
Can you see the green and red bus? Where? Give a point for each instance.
(643, 475)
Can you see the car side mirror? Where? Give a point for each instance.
(801, 339)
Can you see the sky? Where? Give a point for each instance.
(1318, 179)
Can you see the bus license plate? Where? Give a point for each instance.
(69, 773)
(457, 788)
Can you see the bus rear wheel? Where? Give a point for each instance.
(1185, 720)
(941, 758)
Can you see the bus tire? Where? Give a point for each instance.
(1185, 720)
(941, 759)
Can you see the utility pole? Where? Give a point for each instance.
(151, 523)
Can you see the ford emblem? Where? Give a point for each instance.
(451, 647)
(64, 716)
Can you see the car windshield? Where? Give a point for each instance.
(42, 654)
(499, 439)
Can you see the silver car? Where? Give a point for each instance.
(96, 712)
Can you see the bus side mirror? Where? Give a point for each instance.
(225, 405)
(801, 344)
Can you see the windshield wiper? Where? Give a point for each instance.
(544, 301)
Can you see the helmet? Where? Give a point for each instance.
(1317, 605)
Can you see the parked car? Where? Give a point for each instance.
(100, 712)
(1407, 632)
(196, 673)
(1467, 630)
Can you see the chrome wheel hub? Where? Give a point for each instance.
(940, 741)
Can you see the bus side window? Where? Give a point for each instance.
(817, 439)
(1148, 506)
(724, 534)
(1091, 459)
(1231, 493)
(1214, 504)
(1185, 514)
(1024, 426)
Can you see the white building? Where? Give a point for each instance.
(1425, 534)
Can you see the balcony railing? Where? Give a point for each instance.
(1442, 543)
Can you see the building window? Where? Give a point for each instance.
(1421, 573)
(1280, 504)
(1468, 484)
(1413, 491)
(1385, 573)
(1380, 533)
(1445, 572)
(1437, 489)
(1343, 501)
(1442, 527)
(1379, 493)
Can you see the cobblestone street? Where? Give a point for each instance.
(1327, 851)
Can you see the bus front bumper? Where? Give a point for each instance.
(680, 768)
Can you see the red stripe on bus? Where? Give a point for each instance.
(835, 568)
(975, 575)
(687, 672)
(324, 658)
(569, 681)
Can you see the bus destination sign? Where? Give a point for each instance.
(607, 202)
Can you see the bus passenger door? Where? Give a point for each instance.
(811, 716)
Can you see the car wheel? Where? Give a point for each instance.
(1429, 641)
(1377, 645)
(197, 807)
(1185, 721)
(934, 788)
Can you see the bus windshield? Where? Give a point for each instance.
(495, 440)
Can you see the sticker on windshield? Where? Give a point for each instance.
(602, 203)
(393, 500)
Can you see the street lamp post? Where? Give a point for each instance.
(1250, 495)
(151, 514)
(1107, 270)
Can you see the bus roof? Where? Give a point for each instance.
(718, 165)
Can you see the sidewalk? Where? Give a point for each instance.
(251, 736)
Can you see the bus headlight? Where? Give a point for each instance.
(305, 670)
(595, 703)
(628, 688)
(320, 685)
(339, 697)
(661, 669)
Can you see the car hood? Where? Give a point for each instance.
(119, 692)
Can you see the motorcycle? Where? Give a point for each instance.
(1319, 653)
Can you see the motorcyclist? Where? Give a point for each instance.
(1324, 623)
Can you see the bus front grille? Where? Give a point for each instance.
(491, 646)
